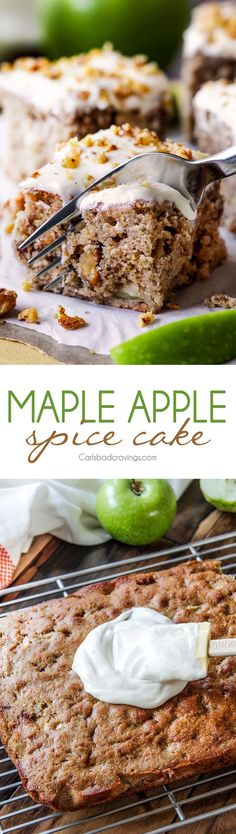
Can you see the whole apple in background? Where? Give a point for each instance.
(220, 492)
(151, 27)
(136, 512)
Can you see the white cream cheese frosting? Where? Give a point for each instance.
(141, 658)
(99, 79)
(219, 99)
(215, 40)
(151, 192)
(77, 164)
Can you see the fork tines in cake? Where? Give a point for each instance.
(136, 242)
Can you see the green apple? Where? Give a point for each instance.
(198, 340)
(220, 493)
(136, 512)
(153, 27)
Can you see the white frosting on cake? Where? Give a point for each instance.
(219, 99)
(100, 79)
(151, 192)
(215, 41)
(77, 164)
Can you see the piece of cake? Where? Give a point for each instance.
(136, 242)
(214, 111)
(72, 750)
(45, 103)
(209, 49)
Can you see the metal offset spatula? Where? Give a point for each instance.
(189, 177)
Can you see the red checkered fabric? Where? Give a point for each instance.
(7, 568)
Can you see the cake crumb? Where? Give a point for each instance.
(69, 322)
(9, 229)
(146, 318)
(30, 315)
(7, 301)
(172, 306)
(27, 285)
(225, 301)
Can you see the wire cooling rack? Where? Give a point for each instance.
(172, 807)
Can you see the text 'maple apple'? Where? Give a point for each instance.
(136, 512)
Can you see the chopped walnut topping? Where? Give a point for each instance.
(72, 158)
(102, 157)
(146, 318)
(35, 175)
(88, 141)
(214, 16)
(27, 286)
(7, 301)
(9, 229)
(225, 301)
(104, 96)
(30, 315)
(69, 322)
(84, 94)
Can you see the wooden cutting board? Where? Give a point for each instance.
(41, 549)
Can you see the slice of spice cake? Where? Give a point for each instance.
(209, 49)
(45, 103)
(136, 241)
(214, 109)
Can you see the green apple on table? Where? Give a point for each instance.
(153, 27)
(136, 512)
(220, 492)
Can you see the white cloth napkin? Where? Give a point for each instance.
(66, 509)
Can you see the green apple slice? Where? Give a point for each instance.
(208, 339)
(220, 492)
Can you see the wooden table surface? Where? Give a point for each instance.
(195, 520)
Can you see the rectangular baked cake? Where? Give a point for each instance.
(209, 49)
(72, 750)
(48, 102)
(214, 112)
(136, 241)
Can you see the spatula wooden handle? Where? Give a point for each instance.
(222, 648)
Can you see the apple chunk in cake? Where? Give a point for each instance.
(45, 103)
(135, 242)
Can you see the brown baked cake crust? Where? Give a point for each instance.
(71, 750)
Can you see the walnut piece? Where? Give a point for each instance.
(69, 322)
(146, 318)
(89, 261)
(7, 301)
(30, 315)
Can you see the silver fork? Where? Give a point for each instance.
(189, 177)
